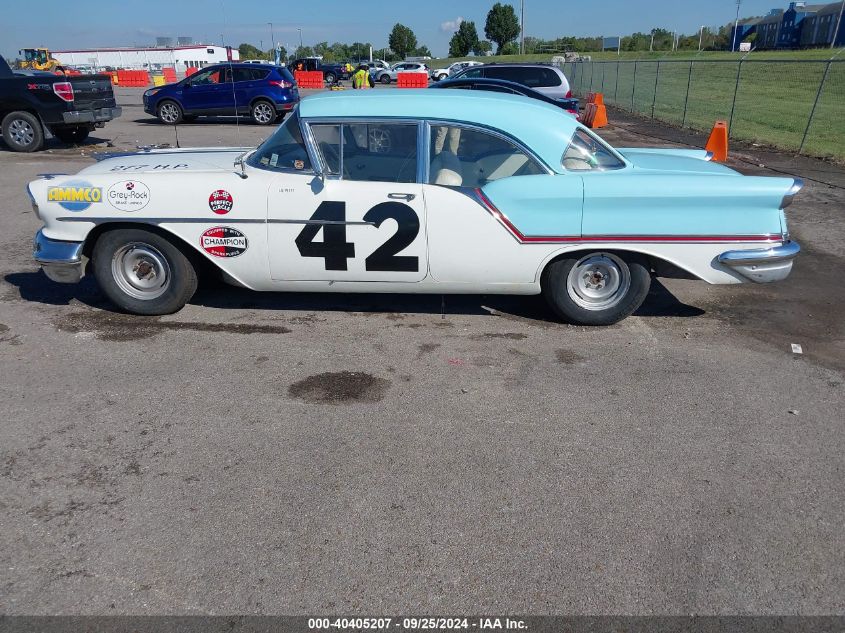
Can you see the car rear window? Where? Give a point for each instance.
(532, 76)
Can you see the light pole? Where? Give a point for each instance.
(700, 37)
(838, 24)
(522, 29)
(736, 27)
(272, 37)
(300, 37)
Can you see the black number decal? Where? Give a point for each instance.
(334, 248)
(384, 258)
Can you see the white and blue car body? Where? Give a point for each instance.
(415, 191)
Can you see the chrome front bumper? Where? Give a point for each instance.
(762, 265)
(62, 261)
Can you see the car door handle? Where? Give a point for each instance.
(402, 196)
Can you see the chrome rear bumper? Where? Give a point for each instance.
(762, 265)
(62, 261)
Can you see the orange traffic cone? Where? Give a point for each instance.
(718, 142)
(599, 116)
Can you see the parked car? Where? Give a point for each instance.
(331, 72)
(263, 91)
(544, 78)
(444, 73)
(416, 191)
(36, 105)
(389, 75)
(508, 87)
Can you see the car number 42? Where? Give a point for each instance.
(335, 250)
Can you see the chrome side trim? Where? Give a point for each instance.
(134, 220)
(61, 261)
(320, 222)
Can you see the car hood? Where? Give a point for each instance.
(690, 161)
(167, 161)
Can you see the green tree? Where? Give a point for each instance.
(510, 48)
(502, 25)
(402, 40)
(482, 47)
(464, 40)
(248, 51)
(303, 51)
(422, 51)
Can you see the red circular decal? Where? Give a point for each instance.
(221, 202)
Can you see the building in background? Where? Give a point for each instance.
(801, 25)
(154, 58)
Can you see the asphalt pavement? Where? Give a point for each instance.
(313, 454)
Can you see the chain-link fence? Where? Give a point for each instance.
(794, 105)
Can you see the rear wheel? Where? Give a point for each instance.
(72, 134)
(596, 288)
(385, 79)
(263, 112)
(170, 112)
(143, 272)
(330, 78)
(22, 132)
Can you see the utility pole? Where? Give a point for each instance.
(700, 37)
(651, 46)
(838, 24)
(736, 27)
(522, 30)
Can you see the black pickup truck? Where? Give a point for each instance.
(331, 72)
(38, 105)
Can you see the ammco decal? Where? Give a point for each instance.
(223, 241)
(128, 195)
(75, 195)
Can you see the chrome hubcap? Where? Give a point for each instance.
(21, 132)
(169, 112)
(141, 271)
(263, 113)
(598, 281)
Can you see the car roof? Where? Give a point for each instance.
(544, 128)
(489, 81)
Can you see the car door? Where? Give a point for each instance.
(210, 92)
(364, 220)
(493, 208)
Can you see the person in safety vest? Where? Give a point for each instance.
(362, 79)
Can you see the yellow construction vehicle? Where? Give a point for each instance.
(38, 59)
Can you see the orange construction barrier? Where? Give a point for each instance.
(169, 75)
(595, 112)
(412, 80)
(718, 142)
(190, 70)
(311, 79)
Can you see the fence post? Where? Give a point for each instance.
(616, 89)
(634, 86)
(602, 76)
(592, 72)
(736, 90)
(656, 79)
(815, 104)
(686, 99)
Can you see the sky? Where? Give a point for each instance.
(104, 23)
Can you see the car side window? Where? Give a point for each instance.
(285, 150)
(474, 73)
(490, 88)
(207, 77)
(467, 157)
(548, 78)
(243, 74)
(370, 152)
(588, 153)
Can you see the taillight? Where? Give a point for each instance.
(281, 84)
(64, 91)
(568, 94)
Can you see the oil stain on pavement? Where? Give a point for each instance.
(344, 387)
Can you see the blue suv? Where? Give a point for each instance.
(263, 91)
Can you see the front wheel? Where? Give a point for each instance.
(385, 79)
(170, 112)
(597, 288)
(143, 272)
(330, 78)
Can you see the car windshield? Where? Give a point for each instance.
(587, 153)
(285, 150)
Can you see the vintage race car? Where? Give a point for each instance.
(415, 191)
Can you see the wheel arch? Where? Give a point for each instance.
(660, 265)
